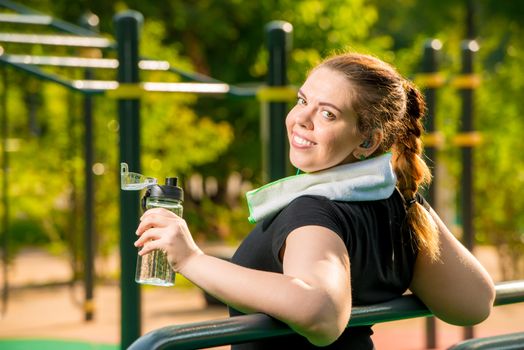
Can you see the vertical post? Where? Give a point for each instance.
(275, 148)
(89, 21)
(128, 26)
(430, 67)
(5, 194)
(468, 48)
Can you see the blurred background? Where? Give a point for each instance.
(214, 145)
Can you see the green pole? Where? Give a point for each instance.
(89, 21)
(127, 33)
(5, 193)
(468, 48)
(274, 130)
(430, 66)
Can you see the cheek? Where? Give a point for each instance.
(289, 122)
(340, 145)
(289, 117)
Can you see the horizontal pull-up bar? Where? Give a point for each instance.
(56, 40)
(25, 19)
(81, 62)
(138, 90)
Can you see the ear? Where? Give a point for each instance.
(369, 145)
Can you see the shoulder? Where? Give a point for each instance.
(309, 203)
(310, 210)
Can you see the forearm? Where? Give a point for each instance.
(288, 299)
(312, 296)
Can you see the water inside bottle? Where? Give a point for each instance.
(153, 269)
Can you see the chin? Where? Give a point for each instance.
(307, 165)
(306, 169)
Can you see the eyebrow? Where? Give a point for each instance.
(322, 103)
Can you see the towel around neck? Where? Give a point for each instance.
(367, 180)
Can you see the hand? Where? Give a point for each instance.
(164, 230)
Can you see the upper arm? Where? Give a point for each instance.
(318, 257)
(456, 288)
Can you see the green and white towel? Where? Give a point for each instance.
(367, 180)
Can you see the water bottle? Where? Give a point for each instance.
(153, 267)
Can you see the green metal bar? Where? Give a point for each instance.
(511, 341)
(56, 40)
(88, 21)
(5, 192)
(274, 134)
(468, 48)
(127, 33)
(55, 23)
(430, 66)
(259, 326)
(40, 74)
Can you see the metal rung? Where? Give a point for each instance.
(81, 62)
(55, 40)
(107, 63)
(25, 19)
(115, 90)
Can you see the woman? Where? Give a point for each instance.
(353, 230)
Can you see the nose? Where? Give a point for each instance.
(304, 118)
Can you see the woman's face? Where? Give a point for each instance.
(322, 127)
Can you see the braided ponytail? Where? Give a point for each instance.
(383, 99)
(412, 171)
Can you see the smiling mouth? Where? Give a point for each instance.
(301, 142)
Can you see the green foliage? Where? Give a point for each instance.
(501, 176)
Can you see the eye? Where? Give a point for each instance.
(301, 101)
(328, 115)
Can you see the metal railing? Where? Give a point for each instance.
(259, 326)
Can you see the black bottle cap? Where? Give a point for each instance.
(169, 190)
(171, 181)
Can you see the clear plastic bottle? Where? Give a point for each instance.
(153, 268)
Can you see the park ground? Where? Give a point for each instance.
(42, 305)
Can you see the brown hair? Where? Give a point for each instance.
(383, 99)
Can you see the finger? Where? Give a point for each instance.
(152, 234)
(149, 247)
(158, 211)
(150, 221)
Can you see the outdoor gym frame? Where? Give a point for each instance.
(128, 90)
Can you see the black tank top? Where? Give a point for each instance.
(382, 255)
